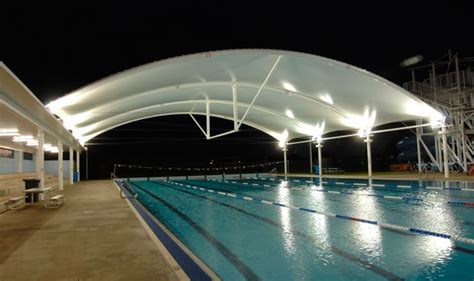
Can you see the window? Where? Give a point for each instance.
(27, 156)
(6, 153)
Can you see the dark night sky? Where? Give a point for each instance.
(57, 50)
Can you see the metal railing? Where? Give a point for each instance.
(449, 81)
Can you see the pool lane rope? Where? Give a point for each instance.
(329, 191)
(364, 185)
(380, 224)
(390, 197)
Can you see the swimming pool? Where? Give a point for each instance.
(269, 229)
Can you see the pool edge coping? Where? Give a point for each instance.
(174, 265)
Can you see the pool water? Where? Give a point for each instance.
(250, 240)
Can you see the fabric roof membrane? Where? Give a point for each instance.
(303, 94)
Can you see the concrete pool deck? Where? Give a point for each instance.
(93, 236)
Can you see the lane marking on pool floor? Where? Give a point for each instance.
(243, 268)
(380, 224)
(358, 261)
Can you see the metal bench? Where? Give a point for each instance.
(56, 201)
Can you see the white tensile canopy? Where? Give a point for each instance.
(285, 94)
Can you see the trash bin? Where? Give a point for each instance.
(31, 183)
(75, 177)
(316, 169)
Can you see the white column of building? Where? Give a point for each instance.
(19, 167)
(40, 158)
(60, 166)
(78, 165)
(71, 166)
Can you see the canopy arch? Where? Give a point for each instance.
(297, 93)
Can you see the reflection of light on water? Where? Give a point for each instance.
(433, 251)
(319, 223)
(436, 216)
(368, 236)
(285, 216)
(437, 247)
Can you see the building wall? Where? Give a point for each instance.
(9, 165)
(50, 168)
(29, 166)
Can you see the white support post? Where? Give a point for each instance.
(259, 91)
(19, 167)
(437, 152)
(60, 166)
(199, 125)
(71, 166)
(40, 158)
(310, 158)
(464, 151)
(445, 151)
(320, 162)
(208, 120)
(368, 140)
(285, 149)
(428, 152)
(234, 103)
(418, 151)
(78, 165)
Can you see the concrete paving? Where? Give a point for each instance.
(93, 236)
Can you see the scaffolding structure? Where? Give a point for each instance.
(449, 87)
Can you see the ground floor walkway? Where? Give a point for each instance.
(93, 236)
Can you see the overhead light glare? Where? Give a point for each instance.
(290, 114)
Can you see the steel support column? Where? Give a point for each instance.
(320, 162)
(418, 151)
(445, 151)
(368, 140)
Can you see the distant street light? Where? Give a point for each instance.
(411, 61)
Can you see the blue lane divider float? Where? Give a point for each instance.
(380, 224)
(459, 203)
